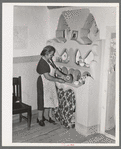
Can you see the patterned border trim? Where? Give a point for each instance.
(26, 59)
(81, 129)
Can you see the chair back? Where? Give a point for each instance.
(17, 98)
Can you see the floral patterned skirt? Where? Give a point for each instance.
(66, 109)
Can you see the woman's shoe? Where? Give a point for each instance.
(41, 122)
(50, 120)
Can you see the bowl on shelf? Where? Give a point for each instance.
(64, 70)
(76, 83)
(69, 78)
(76, 75)
(71, 71)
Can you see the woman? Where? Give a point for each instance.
(46, 90)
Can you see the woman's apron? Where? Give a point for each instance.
(49, 89)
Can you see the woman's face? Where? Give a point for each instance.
(50, 55)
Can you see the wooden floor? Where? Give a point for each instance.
(49, 133)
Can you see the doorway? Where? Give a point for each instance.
(111, 88)
(109, 107)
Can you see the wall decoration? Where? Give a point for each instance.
(89, 57)
(74, 35)
(64, 57)
(76, 75)
(78, 57)
(20, 37)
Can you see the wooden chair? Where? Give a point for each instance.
(18, 106)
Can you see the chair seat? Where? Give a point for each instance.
(20, 108)
(17, 106)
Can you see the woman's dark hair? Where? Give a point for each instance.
(46, 50)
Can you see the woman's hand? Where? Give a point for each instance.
(66, 77)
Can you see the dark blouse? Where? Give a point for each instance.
(43, 67)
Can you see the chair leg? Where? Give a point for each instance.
(29, 118)
(20, 117)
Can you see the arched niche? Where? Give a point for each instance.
(80, 21)
(62, 26)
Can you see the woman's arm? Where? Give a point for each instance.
(61, 74)
(51, 78)
(57, 71)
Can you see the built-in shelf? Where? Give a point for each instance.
(74, 66)
(70, 84)
(73, 85)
